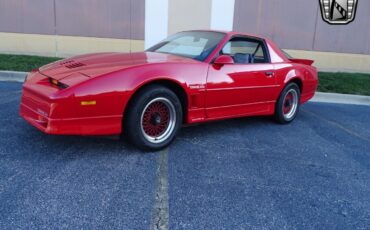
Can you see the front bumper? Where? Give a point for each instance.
(72, 126)
(52, 115)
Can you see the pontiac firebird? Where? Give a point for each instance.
(190, 77)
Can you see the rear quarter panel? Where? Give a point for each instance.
(287, 72)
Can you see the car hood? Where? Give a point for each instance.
(93, 65)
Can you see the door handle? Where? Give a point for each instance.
(269, 74)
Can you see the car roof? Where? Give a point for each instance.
(230, 33)
(276, 54)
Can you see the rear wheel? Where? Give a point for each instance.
(287, 106)
(153, 118)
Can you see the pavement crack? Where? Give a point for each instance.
(160, 212)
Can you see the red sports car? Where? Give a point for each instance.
(191, 77)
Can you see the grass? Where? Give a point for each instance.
(346, 83)
(23, 63)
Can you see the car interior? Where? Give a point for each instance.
(245, 51)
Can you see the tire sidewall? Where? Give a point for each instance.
(279, 113)
(133, 121)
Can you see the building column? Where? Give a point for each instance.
(156, 21)
(222, 15)
(164, 17)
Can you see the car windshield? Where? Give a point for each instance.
(197, 45)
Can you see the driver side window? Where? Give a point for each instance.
(245, 51)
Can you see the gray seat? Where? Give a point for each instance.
(241, 58)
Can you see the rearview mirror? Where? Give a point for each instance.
(223, 60)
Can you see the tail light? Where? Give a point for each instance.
(57, 83)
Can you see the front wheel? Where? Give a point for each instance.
(287, 106)
(153, 118)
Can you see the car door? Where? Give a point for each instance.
(246, 87)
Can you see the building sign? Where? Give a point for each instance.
(338, 12)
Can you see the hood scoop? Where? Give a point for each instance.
(72, 64)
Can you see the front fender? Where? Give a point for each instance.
(114, 90)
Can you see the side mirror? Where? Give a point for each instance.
(223, 60)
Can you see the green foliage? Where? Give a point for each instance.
(23, 63)
(346, 83)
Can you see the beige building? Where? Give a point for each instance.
(69, 27)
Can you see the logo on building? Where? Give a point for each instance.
(338, 11)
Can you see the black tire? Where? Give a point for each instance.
(282, 107)
(154, 108)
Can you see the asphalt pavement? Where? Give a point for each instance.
(247, 173)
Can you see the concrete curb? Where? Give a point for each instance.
(13, 76)
(341, 98)
(319, 97)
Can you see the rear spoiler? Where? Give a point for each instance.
(302, 61)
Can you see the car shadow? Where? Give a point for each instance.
(119, 144)
(29, 136)
(225, 126)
